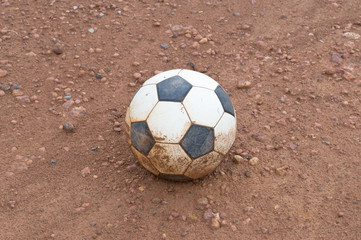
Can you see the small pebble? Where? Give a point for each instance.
(68, 127)
(253, 161)
(202, 201)
(58, 49)
(5, 87)
(85, 171)
(280, 171)
(132, 167)
(203, 40)
(23, 99)
(247, 173)
(2, 93)
(53, 161)
(348, 76)
(91, 30)
(207, 215)
(164, 46)
(215, 223)
(77, 111)
(15, 86)
(237, 158)
(98, 76)
(3, 73)
(243, 84)
(329, 71)
(137, 75)
(351, 35)
(17, 93)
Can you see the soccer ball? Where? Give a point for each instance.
(181, 124)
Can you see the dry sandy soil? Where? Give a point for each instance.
(81, 62)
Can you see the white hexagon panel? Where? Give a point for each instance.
(161, 76)
(143, 102)
(203, 106)
(203, 165)
(169, 158)
(198, 79)
(168, 122)
(225, 133)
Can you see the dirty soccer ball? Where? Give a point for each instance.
(181, 123)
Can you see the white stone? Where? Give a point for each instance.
(351, 35)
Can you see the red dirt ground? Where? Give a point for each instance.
(300, 116)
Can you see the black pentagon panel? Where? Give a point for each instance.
(199, 140)
(177, 178)
(173, 89)
(141, 137)
(225, 100)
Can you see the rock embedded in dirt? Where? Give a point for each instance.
(3, 73)
(137, 75)
(15, 86)
(117, 129)
(243, 84)
(58, 49)
(164, 46)
(207, 215)
(237, 158)
(245, 27)
(348, 76)
(336, 58)
(77, 111)
(215, 223)
(2, 93)
(23, 99)
(340, 214)
(351, 35)
(5, 87)
(17, 93)
(253, 161)
(98, 76)
(329, 71)
(68, 127)
(202, 201)
(203, 40)
(85, 171)
(281, 171)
